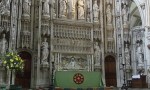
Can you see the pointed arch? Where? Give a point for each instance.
(138, 3)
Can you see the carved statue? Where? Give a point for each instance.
(88, 10)
(73, 64)
(88, 4)
(127, 54)
(139, 55)
(25, 38)
(14, 13)
(26, 7)
(119, 44)
(63, 8)
(3, 45)
(97, 52)
(124, 13)
(13, 37)
(5, 6)
(73, 8)
(109, 14)
(46, 7)
(45, 51)
(95, 11)
(53, 5)
(118, 23)
(140, 58)
(81, 9)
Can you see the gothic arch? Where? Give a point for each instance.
(110, 54)
(110, 68)
(24, 79)
(137, 2)
(25, 50)
(32, 54)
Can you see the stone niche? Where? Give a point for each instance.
(73, 62)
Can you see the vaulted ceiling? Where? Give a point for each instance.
(135, 18)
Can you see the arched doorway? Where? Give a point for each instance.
(23, 79)
(110, 71)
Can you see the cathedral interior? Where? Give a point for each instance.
(107, 41)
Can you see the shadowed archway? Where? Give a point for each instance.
(110, 71)
(23, 79)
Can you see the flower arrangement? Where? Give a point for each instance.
(12, 61)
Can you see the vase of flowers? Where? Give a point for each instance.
(13, 62)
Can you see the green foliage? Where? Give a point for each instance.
(12, 61)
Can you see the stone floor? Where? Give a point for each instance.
(106, 89)
(133, 89)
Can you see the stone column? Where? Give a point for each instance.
(39, 13)
(44, 75)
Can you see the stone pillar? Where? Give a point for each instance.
(2, 75)
(38, 43)
(44, 75)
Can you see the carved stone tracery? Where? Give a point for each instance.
(138, 34)
(71, 32)
(73, 63)
(72, 41)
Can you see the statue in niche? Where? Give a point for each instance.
(63, 8)
(81, 9)
(14, 13)
(73, 64)
(25, 38)
(97, 52)
(109, 14)
(88, 4)
(46, 7)
(124, 14)
(3, 45)
(73, 8)
(88, 10)
(26, 7)
(95, 11)
(64, 61)
(45, 51)
(127, 54)
(53, 5)
(117, 7)
(5, 6)
(119, 43)
(139, 54)
(118, 23)
(13, 37)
